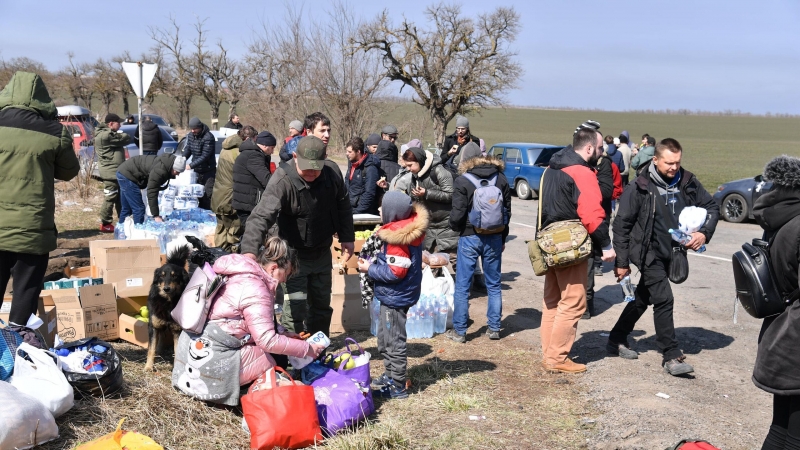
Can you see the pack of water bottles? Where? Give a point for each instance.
(196, 222)
(179, 197)
(427, 317)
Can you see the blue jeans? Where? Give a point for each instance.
(489, 248)
(131, 198)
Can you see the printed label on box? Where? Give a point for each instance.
(133, 282)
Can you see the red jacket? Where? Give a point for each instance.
(570, 192)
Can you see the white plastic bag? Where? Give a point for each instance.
(692, 219)
(26, 423)
(441, 286)
(42, 380)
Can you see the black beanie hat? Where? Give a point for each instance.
(419, 154)
(111, 117)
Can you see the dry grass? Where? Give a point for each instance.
(523, 407)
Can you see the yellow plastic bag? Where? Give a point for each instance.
(121, 440)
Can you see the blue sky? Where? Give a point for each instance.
(618, 55)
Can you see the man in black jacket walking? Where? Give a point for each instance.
(251, 173)
(200, 145)
(151, 137)
(472, 245)
(308, 200)
(648, 209)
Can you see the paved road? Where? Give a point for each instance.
(719, 403)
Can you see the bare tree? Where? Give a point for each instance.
(123, 85)
(105, 82)
(178, 77)
(235, 76)
(457, 66)
(345, 80)
(76, 80)
(279, 86)
(24, 64)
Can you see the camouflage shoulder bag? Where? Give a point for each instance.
(534, 251)
(564, 243)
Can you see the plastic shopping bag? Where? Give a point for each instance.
(121, 440)
(282, 416)
(26, 423)
(41, 378)
(357, 370)
(441, 287)
(692, 219)
(9, 341)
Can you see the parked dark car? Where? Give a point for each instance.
(525, 163)
(736, 198)
(158, 120)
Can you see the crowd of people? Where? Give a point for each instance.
(278, 222)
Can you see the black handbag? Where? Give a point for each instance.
(678, 265)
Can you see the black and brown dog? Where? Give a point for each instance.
(169, 281)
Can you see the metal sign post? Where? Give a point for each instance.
(140, 75)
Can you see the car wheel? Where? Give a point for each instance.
(734, 208)
(523, 190)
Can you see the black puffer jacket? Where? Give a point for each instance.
(634, 224)
(149, 172)
(484, 167)
(450, 162)
(387, 154)
(361, 185)
(251, 173)
(151, 135)
(201, 149)
(777, 367)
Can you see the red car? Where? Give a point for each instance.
(79, 122)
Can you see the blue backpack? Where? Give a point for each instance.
(488, 214)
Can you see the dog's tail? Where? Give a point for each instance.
(179, 255)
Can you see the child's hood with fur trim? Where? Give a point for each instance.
(406, 231)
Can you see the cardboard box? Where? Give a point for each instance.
(92, 312)
(130, 328)
(128, 265)
(46, 310)
(78, 272)
(348, 315)
(336, 253)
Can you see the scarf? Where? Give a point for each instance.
(462, 140)
(668, 190)
(355, 165)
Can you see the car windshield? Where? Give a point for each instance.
(541, 156)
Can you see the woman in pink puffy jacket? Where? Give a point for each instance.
(245, 306)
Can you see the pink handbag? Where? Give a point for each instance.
(191, 311)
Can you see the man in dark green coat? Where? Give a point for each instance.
(146, 172)
(35, 150)
(109, 145)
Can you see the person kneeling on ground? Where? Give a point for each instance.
(245, 305)
(142, 172)
(472, 245)
(398, 276)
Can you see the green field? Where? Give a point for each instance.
(716, 148)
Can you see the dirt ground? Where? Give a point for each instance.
(612, 406)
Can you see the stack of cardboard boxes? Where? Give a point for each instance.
(348, 315)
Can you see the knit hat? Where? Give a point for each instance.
(310, 153)
(194, 122)
(373, 139)
(588, 124)
(469, 151)
(783, 171)
(389, 129)
(180, 164)
(396, 206)
(414, 143)
(419, 154)
(266, 138)
(616, 141)
(297, 125)
(462, 122)
(111, 117)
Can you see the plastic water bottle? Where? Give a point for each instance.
(375, 316)
(430, 315)
(683, 239)
(628, 288)
(440, 324)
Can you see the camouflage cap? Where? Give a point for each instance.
(310, 153)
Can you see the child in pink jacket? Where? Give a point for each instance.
(245, 306)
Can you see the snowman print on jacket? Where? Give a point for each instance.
(200, 353)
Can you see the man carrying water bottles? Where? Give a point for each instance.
(648, 209)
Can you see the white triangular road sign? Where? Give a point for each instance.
(140, 86)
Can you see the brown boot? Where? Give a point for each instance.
(568, 366)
